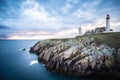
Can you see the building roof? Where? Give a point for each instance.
(108, 17)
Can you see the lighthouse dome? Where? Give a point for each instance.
(108, 17)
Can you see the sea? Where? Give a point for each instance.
(19, 64)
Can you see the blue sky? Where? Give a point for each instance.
(43, 19)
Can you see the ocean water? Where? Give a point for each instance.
(16, 64)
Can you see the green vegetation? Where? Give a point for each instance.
(62, 39)
(77, 37)
(111, 39)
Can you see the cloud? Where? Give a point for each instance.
(45, 35)
(73, 1)
(66, 8)
(3, 36)
(33, 16)
(4, 27)
(67, 33)
(36, 19)
(40, 37)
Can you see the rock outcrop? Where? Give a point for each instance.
(79, 56)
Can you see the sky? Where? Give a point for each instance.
(45, 19)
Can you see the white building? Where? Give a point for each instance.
(107, 23)
(101, 29)
(80, 31)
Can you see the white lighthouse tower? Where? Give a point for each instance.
(107, 23)
(80, 31)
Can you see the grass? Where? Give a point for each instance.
(62, 39)
(111, 39)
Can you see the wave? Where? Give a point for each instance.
(33, 62)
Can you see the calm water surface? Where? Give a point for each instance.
(21, 65)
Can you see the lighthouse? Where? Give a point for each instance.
(107, 23)
(80, 31)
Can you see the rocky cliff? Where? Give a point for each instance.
(94, 55)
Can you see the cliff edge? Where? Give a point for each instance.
(92, 55)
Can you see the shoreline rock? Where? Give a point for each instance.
(81, 57)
